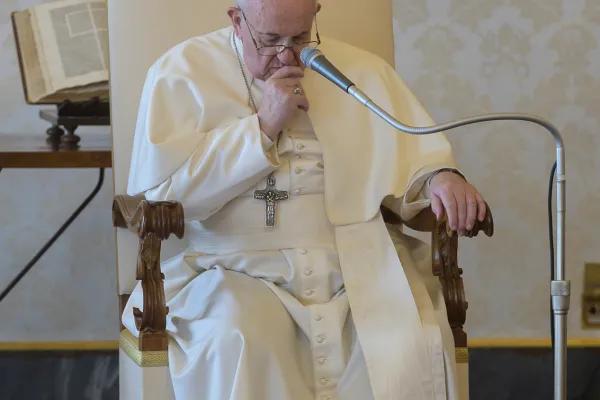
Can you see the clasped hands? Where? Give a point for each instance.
(462, 203)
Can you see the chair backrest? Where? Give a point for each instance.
(141, 30)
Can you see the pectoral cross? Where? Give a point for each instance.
(271, 196)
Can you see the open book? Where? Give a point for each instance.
(63, 51)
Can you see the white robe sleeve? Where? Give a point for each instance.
(229, 161)
(417, 197)
(415, 200)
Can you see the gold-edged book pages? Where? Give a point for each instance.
(63, 51)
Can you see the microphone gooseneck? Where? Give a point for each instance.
(560, 287)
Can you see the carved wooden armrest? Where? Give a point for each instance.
(152, 222)
(444, 247)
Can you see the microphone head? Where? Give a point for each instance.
(308, 55)
(316, 61)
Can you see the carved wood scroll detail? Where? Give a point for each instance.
(153, 222)
(444, 247)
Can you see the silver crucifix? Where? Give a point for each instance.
(271, 196)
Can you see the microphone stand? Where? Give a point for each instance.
(560, 287)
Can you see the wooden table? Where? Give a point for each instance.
(21, 151)
(26, 151)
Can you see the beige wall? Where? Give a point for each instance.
(464, 57)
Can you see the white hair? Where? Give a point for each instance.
(243, 4)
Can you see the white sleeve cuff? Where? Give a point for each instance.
(266, 141)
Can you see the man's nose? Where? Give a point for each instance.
(288, 57)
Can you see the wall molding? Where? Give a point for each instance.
(529, 343)
(508, 343)
(59, 346)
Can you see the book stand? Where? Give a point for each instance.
(70, 116)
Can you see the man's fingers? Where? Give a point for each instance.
(437, 206)
(289, 82)
(288, 72)
(302, 102)
(462, 203)
(461, 208)
(481, 207)
(471, 210)
(451, 208)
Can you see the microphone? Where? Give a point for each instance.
(316, 61)
(560, 288)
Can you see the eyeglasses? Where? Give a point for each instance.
(272, 50)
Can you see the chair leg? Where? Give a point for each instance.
(143, 383)
(462, 370)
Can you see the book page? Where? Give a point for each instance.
(72, 37)
(31, 70)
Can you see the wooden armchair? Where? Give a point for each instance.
(154, 222)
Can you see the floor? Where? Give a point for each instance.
(527, 374)
(495, 374)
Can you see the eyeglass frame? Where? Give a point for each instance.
(280, 46)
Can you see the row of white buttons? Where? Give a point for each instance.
(321, 339)
(307, 272)
(298, 171)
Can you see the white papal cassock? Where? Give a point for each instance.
(327, 304)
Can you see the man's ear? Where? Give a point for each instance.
(236, 19)
(318, 8)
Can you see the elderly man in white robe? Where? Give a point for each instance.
(293, 287)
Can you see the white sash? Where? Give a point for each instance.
(402, 349)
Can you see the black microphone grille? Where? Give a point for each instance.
(308, 54)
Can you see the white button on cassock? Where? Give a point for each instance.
(318, 317)
(309, 292)
(308, 272)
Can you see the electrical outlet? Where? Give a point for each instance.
(590, 299)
